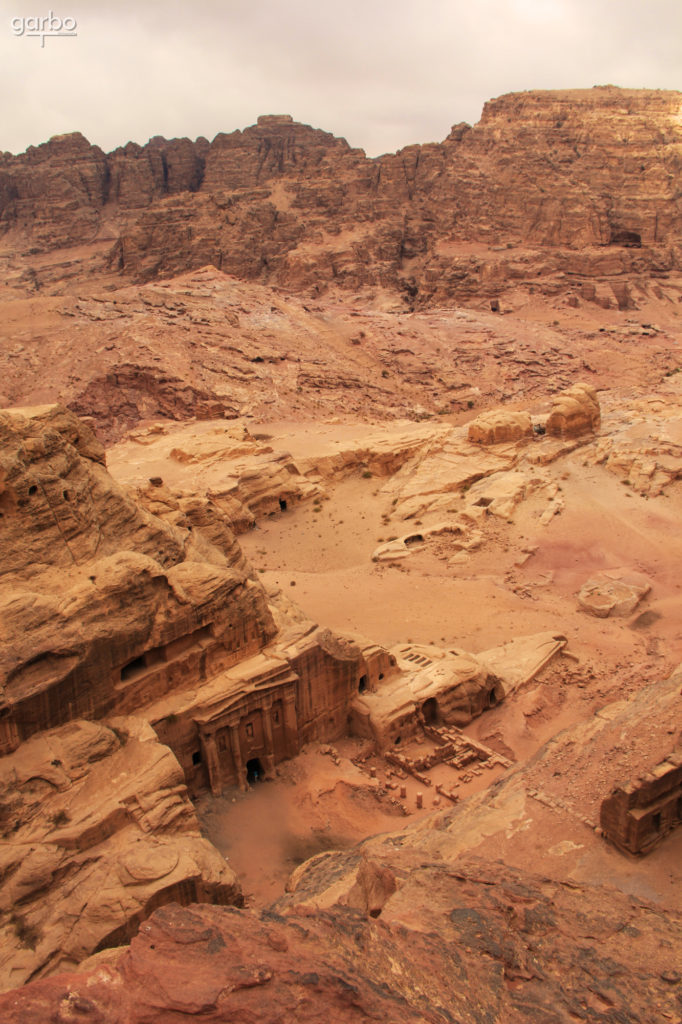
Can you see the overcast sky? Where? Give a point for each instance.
(382, 74)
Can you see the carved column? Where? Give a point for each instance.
(269, 756)
(290, 725)
(212, 763)
(237, 757)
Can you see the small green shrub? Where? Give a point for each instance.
(28, 934)
(59, 818)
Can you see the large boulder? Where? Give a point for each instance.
(499, 425)
(574, 412)
(604, 597)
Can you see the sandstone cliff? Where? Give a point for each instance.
(552, 189)
(103, 604)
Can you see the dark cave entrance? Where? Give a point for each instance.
(430, 711)
(254, 771)
(282, 504)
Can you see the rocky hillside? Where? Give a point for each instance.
(208, 346)
(552, 189)
(492, 946)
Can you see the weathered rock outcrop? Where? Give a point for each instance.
(104, 606)
(500, 425)
(548, 182)
(98, 830)
(59, 505)
(574, 412)
(603, 597)
(223, 477)
(644, 445)
(127, 393)
(492, 945)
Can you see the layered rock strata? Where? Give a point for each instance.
(104, 606)
(491, 945)
(97, 831)
(545, 190)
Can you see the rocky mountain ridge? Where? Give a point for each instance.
(551, 189)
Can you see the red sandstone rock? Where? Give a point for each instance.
(574, 412)
(500, 425)
(97, 593)
(97, 827)
(546, 181)
(494, 946)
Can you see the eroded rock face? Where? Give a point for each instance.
(104, 606)
(550, 182)
(500, 946)
(59, 505)
(97, 830)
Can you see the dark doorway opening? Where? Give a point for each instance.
(283, 504)
(254, 771)
(656, 821)
(492, 699)
(629, 239)
(133, 668)
(430, 711)
(362, 684)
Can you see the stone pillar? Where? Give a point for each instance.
(269, 756)
(212, 763)
(290, 726)
(237, 757)
(9, 736)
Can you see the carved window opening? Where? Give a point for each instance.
(196, 757)
(362, 684)
(249, 729)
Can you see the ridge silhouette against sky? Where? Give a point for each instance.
(384, 75)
